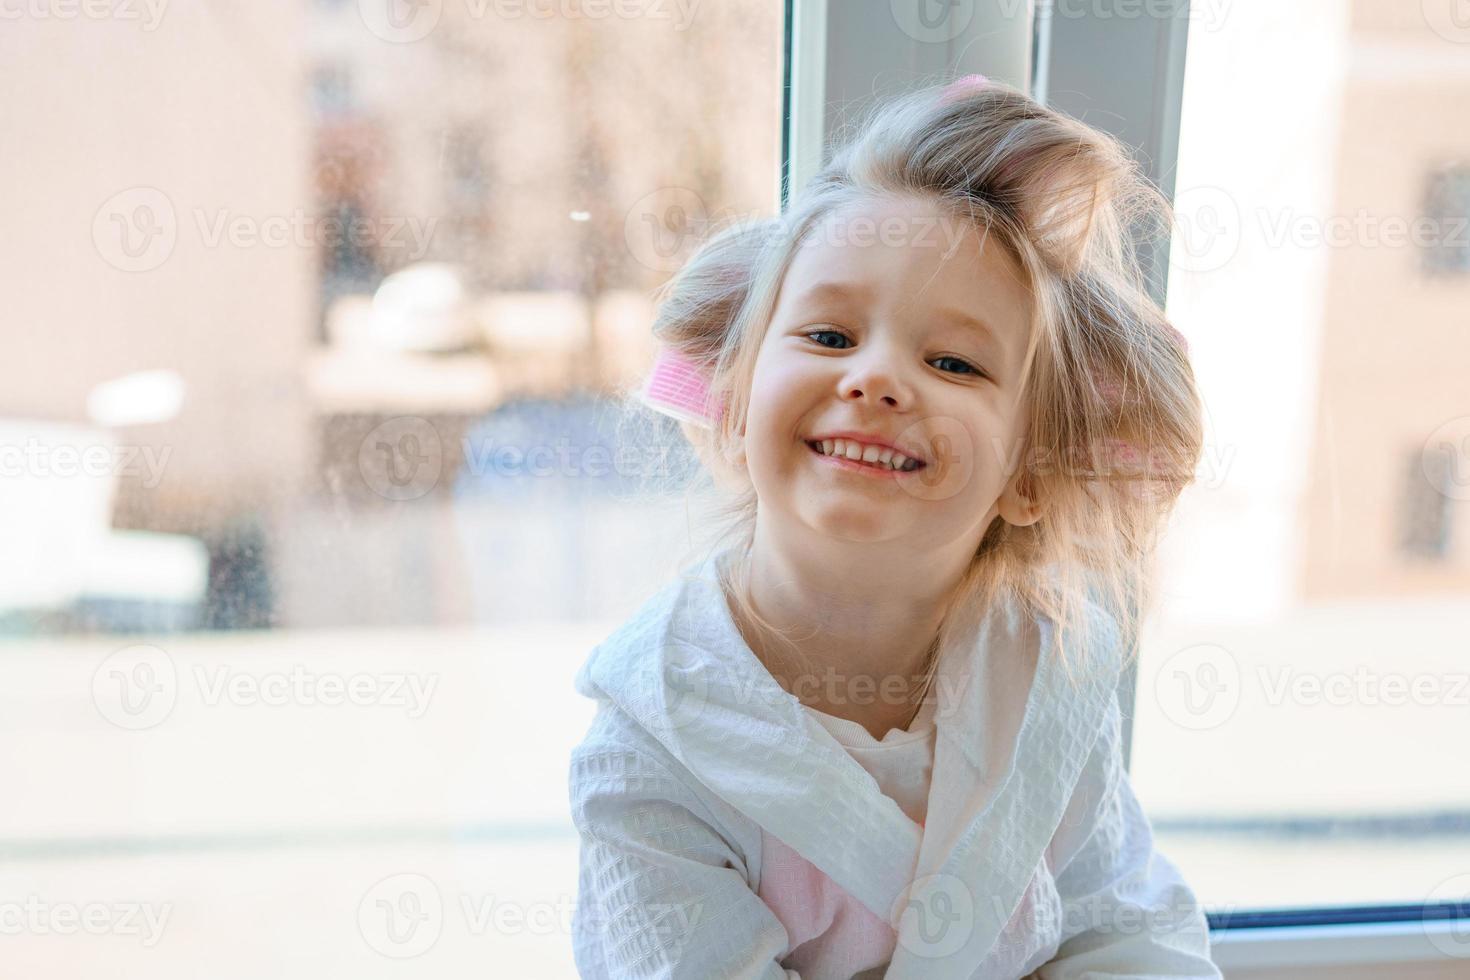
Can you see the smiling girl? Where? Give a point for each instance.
(878, 733)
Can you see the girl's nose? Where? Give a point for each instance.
(876, 381)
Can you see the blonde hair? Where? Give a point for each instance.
(1102, 367)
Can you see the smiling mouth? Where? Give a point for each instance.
(913, 465)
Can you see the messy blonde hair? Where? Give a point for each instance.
(1102, 368)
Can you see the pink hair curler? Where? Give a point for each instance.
(678, 387)
(962, 86)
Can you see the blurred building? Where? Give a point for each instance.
(1391, 377)
(241, 236)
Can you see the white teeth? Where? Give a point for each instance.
(857, 452)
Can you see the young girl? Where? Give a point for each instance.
(877, 734)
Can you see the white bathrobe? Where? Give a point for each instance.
(725, 833)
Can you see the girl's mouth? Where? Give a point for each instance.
(877, 468)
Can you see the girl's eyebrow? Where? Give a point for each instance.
(832, 289)
(840, 290)
(969, 321)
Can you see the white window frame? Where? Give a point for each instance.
(1124, 75)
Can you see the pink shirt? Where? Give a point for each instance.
(824, 924)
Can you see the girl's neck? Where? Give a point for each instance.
(856, 646)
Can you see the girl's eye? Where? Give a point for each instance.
(827, 333)
(965, 366)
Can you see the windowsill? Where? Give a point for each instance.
(1356, 944)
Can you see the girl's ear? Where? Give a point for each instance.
(1015, 507)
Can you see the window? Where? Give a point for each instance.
(321, 309)
(1447, 208)
(1426, 512)
(1310, 578)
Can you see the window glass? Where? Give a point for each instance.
(313, 501)
(1300, 737)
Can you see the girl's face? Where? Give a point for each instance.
(902, 325)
